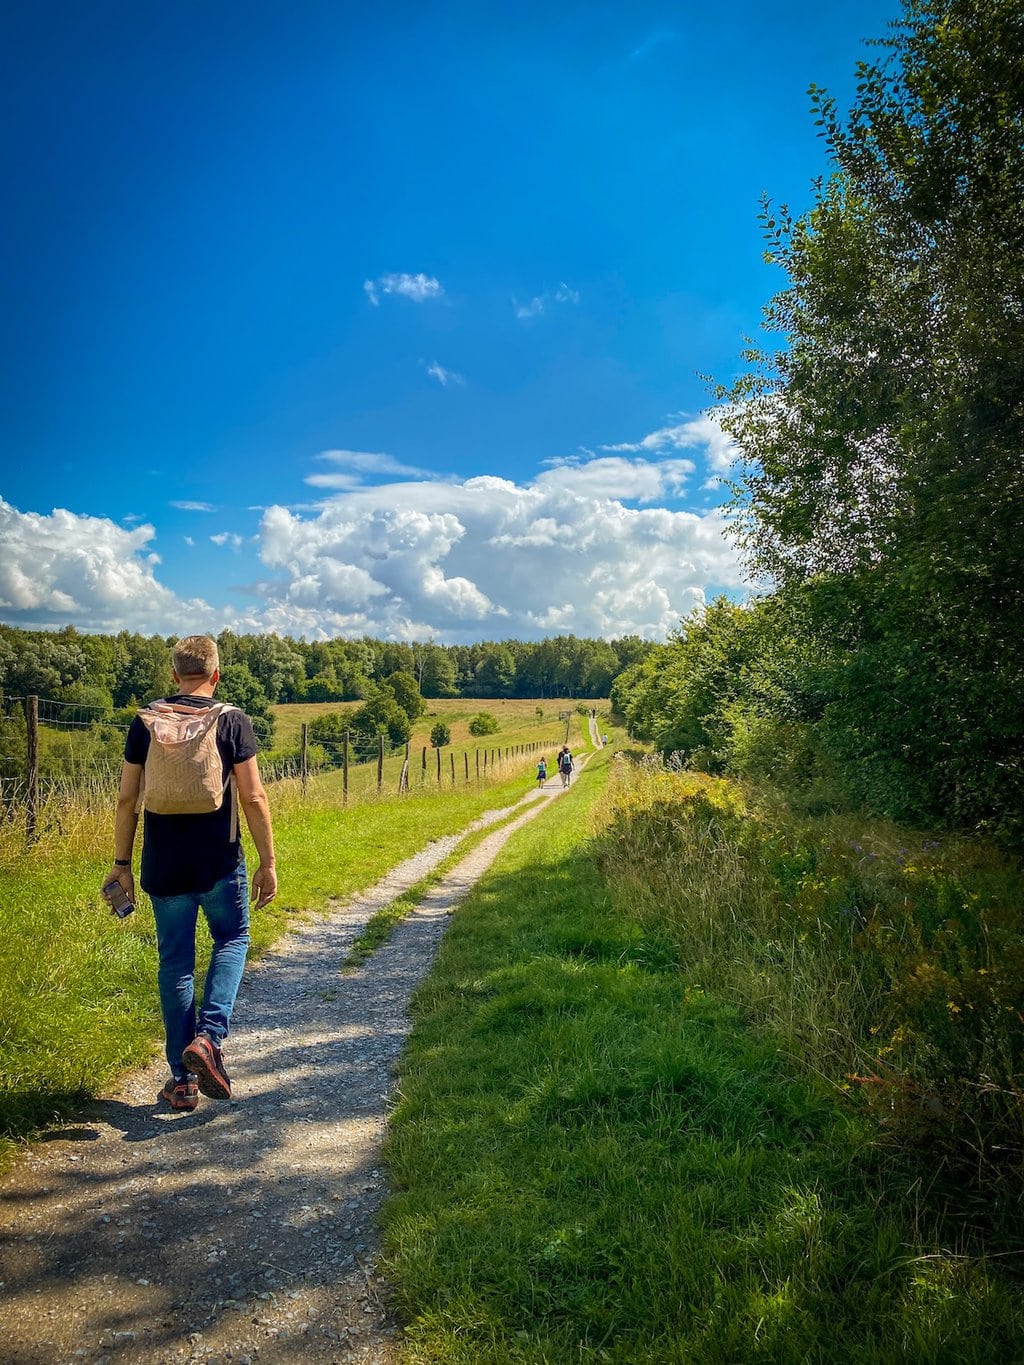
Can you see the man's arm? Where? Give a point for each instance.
(256, 808)
(126, 822)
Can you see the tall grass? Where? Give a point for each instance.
(888, 962)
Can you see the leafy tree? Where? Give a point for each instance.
(406, 693)
(142, 669)
(495, 674)
(440, 735)
(238, 686)
(483, 723)
(277, 667)
(381, 714)
(883, 476)
(436, 670)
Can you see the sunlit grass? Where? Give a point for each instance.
(596, 1160)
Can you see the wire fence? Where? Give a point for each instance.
(50, 747)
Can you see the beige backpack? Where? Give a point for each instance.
(183, 774)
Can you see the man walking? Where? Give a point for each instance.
(189, 762)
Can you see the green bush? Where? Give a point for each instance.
(440, 735)
(483, 723)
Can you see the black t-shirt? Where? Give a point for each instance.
(188, 853)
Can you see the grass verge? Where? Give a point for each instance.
(594, 1161)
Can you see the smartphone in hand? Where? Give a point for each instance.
(120, 905)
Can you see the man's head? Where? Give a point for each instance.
(194, 658)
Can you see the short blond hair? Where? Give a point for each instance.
(195, 657)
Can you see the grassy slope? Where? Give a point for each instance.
(594, 1162)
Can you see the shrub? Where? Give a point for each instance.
(440, 735)
(483, 723)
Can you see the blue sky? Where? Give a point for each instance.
(330, 319)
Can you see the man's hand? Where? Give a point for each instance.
(264, 885)
(124, 876)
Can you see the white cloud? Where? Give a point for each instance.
(583, 546)
(62, 569)
(194, 506)
(228, 538)
(352, 465)
(533, 309)
(538, 305)
(615, 477)
(444, 377)
(419, 287)
(704, 431)
(562, 552)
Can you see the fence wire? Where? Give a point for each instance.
(81, 745)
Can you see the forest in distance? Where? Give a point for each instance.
(110, 672)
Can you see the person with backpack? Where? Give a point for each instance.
(565, 764)
(542, 772)
(189, 764)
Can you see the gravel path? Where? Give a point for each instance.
(244, 1232)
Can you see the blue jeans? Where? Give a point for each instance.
(226, 907)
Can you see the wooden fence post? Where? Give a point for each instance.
(438, 751)
(477, 751)
(344, 768)
(403, 781)
(32, 766)
(380, 761)
(451, 755)
(423, 773)
(466, 757)
(304, 759)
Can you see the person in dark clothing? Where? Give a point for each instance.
(192, 861)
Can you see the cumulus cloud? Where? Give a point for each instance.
(65, 569)
(464, 560)
(586, 545)
(538, 305)
(444, 377)
(705, 432)
(419, 288)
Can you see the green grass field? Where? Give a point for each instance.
(593, 1159)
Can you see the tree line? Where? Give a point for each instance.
(107, 675)
(881, 498)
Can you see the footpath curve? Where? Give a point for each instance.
(244, 1232)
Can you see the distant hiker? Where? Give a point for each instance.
(565, 764)
(189, 762)
(542, 772)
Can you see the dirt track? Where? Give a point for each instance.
(245, 1231)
